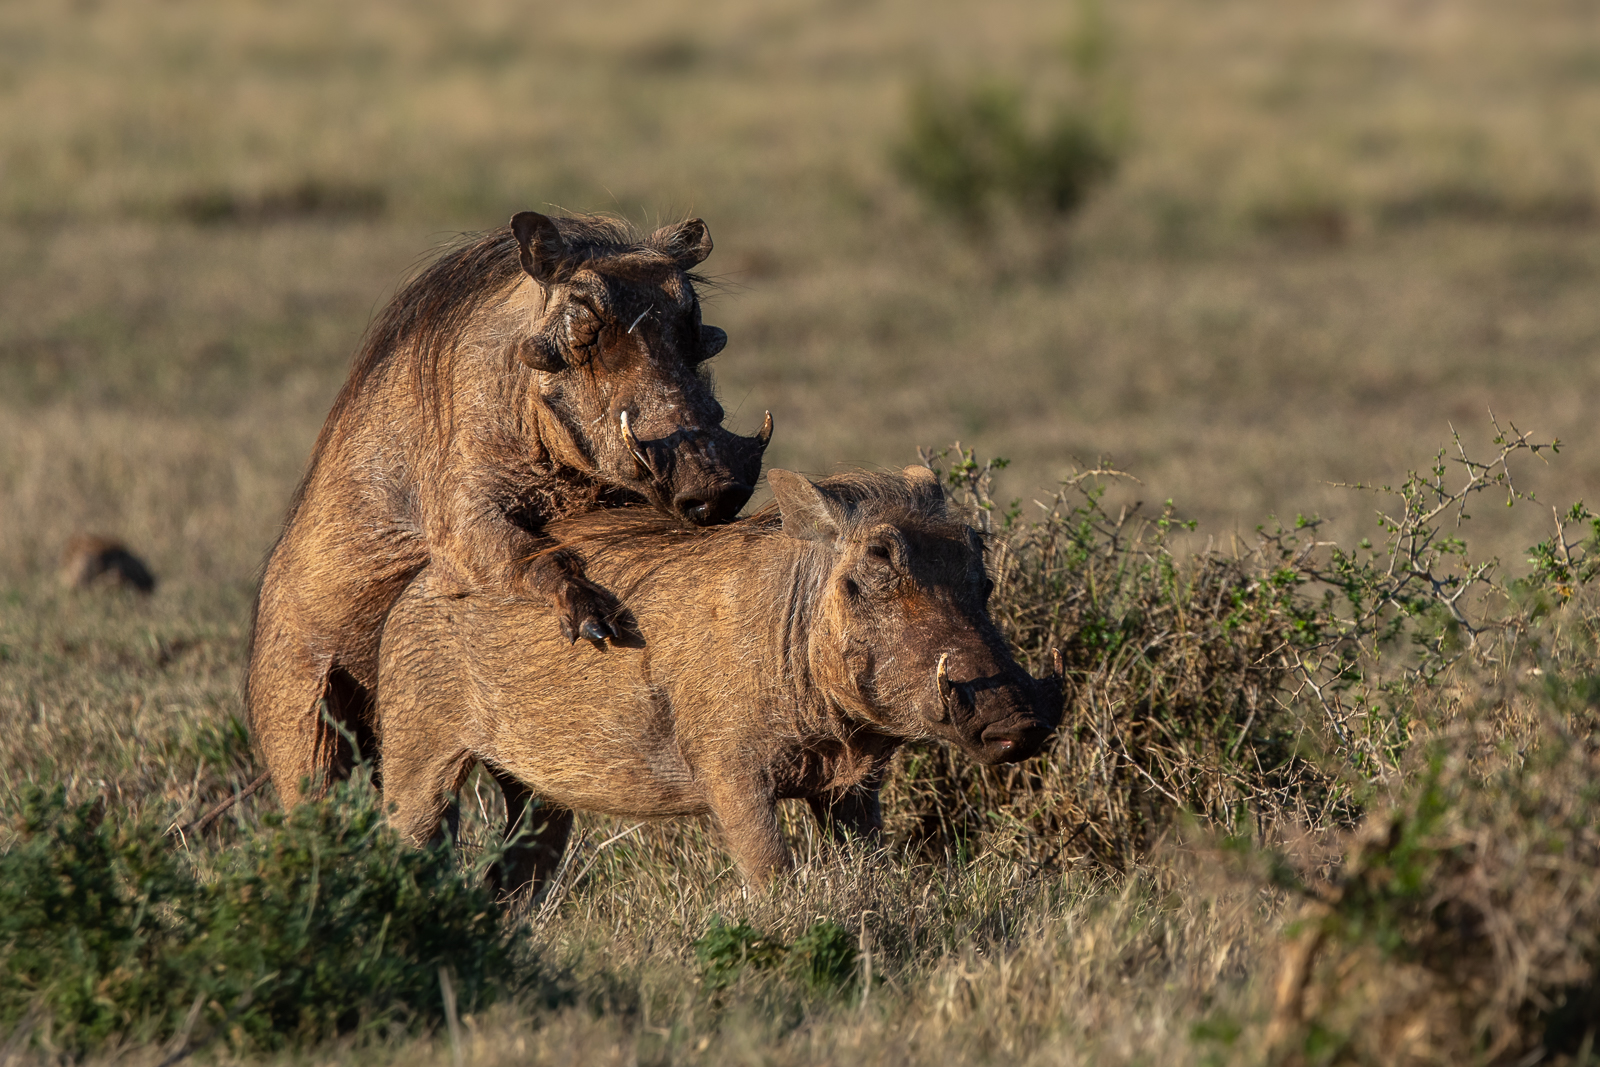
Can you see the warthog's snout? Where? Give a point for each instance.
(704, 477)
(1004, 718)
(713, 507)
(1011, 742)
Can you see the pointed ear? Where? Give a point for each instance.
(544, 253)
(925, 488)
(807, 513)
(688, 243)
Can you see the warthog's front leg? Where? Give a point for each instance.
(585, 609)
(478, 544)
(746, 814)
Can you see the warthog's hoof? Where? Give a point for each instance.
(586, 611)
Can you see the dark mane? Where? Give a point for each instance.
(428, 315)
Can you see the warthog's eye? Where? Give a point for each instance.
(878, 551)
(583, 324)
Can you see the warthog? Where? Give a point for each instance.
(786, 655)
(91, 560)
(547, 368)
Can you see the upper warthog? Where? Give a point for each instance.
(547, 368)
(786, 655)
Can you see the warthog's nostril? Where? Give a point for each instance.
(709, 509)
(1014, 742)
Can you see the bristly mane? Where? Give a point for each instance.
(867, 500)
(428, 315)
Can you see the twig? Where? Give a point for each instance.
(200, 825)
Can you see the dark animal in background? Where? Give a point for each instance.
(786, 655)
(90, 560)
(548, 368)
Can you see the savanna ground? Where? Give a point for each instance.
(1334, 232)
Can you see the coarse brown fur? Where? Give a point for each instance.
(544, 369)
(786, 655)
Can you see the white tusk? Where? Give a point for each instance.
(942, 674)
(632, 441)
(765, 436)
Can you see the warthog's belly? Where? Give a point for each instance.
(582, 729)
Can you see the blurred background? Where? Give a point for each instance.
(1244, 250)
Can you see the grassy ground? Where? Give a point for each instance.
(1334, 232)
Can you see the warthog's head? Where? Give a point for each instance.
(617, 346)
(901, 635)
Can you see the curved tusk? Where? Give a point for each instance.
(1055, 661)
(942, 676)
(765, 436)
(632, 441)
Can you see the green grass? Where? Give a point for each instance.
(318, 924)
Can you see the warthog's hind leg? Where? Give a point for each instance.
(536, 836)
(420, 786)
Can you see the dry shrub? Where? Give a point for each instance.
(1464, 924)
(1175, 669)
(1424, 732)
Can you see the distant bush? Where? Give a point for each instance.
(967, 149)
(964, 150)
(320, 923)
(309, 198)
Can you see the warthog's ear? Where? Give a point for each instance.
(713, 339)
(807, 513)
(925, 488)
(688, 243)
(544, 253)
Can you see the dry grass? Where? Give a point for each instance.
(1335, 231)
(1204, 322)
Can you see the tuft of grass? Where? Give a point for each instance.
(823, 959)
(726, 950)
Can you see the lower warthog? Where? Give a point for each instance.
(786, 655)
